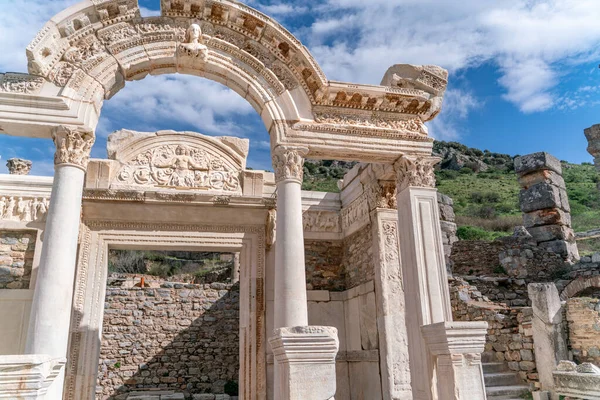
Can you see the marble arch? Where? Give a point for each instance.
(85, 54)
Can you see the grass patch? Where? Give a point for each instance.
(477, 233)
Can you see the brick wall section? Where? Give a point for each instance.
(17, 249)
(324, 269)
(510, 334)
(181, 337)
(358, 263)
(583, 316)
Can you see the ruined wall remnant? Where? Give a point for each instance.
(583, 316)
(593, 137)
(449, 228)
(545, 204)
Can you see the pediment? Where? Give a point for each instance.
(177, 160)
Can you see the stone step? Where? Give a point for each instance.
(494, 367)
(513, 391)
(488, 357)
(501, 379)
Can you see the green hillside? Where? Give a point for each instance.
(484, 188)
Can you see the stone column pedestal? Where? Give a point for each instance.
(457, 348)
(306, 359)
(28, 377)
(52, 300)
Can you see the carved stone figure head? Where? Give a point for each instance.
(194, 34)
(181, 151)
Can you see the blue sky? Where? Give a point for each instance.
(524, 74)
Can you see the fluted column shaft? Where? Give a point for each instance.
(52, 301)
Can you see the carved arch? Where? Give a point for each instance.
(579, 285)
(87, 53)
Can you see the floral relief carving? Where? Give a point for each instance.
(289, 163)
(390, 233)
(73, 146)
(21, 83)
(180, 166)
(28, 209)
(416, 172)
(382, 194)
(411, 125)
(271, 228)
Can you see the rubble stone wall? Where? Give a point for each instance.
(510, 333)
(180, 337)
(583, 317)
(324, 270)
(17, 249)
(359, 266)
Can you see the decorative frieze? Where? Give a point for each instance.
(321, 221)
(21, 83)
(26, 209)
(180, 166)
(288, 163)
(414, 125)
(18, 166)
(73, 146)
(416, 172)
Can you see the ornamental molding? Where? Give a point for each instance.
(73, 146)
(416, 172)
(415, 125)
(288, 163)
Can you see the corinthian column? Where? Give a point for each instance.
(51, 307)
(290, 275)
(435, 343)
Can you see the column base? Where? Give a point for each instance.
(457, 348)
(28, 377)
(305, 357)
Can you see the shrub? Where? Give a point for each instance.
(466, 170)
(475, 233)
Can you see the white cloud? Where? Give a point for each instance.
(457, 106)
(533, 42)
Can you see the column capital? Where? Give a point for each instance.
(288, 163)
(415, 171)
(73, 146)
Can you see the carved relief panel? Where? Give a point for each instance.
(187, 161)
(25, 209)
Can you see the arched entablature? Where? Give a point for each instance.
(578, 286)
(85, 54)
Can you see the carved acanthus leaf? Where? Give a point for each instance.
(18, 166)
(73, 146)
(416, 172)
(288, 163)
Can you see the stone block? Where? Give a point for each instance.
(536, 162)
(543, 176)
(567, 250)
(548, 233)
(368, 322)
(549, 216)
(540, 197)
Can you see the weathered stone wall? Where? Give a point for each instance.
(358, 257)
(475, 257)
(17, 250)
(324, 269)
(510, 334)
(583, 316)
(181, 337)
(448, 225)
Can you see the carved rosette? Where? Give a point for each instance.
(288, 163)
(416, 172)
(73, 146)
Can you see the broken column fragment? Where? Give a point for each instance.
(545, 204)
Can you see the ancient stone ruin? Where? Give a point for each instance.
(343, 295)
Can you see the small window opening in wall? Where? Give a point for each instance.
(150, 8)
(175, 266)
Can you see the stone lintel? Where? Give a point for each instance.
(306, 356)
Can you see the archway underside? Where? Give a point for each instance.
(85, 54)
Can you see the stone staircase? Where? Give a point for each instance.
(500, 382)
